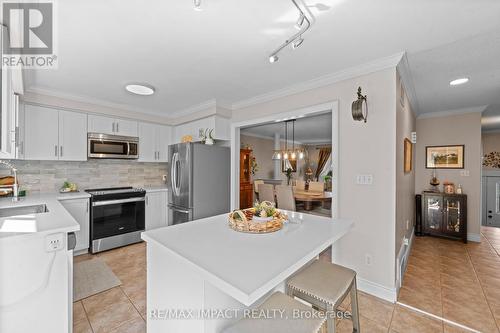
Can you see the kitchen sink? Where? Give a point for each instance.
(23, 210)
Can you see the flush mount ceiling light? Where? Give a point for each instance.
(197, 5)
(459, 81)
(303, 24)
(140, 89)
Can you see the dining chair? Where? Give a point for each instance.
(266, 192)
(300, 185)
(316, 186)
(256, 184)
(285, 198)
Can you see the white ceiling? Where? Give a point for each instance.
(308, 130)
(222, 52)
(477, 58)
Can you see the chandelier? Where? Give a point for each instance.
(289, 154)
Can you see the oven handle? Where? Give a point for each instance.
(119, 201)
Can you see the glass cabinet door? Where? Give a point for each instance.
(452, 215)
(433, 207)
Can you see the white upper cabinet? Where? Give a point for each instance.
(153, 142)
(165, 138)
(72, 136)
(219, 124)
(147, 142)
(9, 113)
(41, 133)
(112, 126)
(52, 134)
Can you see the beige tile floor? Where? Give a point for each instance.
(460, 282)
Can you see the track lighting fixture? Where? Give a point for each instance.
(273, 58)
(300, 21)
(303, 24)
(197, 5)
(297, 43)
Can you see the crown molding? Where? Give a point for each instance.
(454, 112)
(363, 69)
(90, 100)
(201, 107)
(405, 76)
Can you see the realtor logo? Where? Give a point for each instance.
(28, 35)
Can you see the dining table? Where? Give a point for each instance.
(310, 197)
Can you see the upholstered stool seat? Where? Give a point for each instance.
(325, 286)
(287, 322)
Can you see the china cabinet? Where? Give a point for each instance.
(246, 186)
(445, 215)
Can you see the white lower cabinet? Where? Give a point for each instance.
(156, 210)
(79, 209)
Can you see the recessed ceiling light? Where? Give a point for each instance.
(140, 89)
(459, 81)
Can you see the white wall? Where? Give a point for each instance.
(364, 148)
(405, 182)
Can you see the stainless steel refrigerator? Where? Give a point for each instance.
(199, 181)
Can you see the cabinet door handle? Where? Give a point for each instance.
(113, 127)
(117, 127)
(87, 206)
(147, 200)
(61, 151)
(55, 150)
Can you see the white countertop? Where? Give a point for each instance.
(57, 219)
(247, 266)
(152, 189)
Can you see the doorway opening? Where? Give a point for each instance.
(292, 156)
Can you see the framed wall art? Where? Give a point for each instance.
(444, 157)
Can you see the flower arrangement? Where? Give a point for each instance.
(206, 136)
(264, 209)
(254, 166)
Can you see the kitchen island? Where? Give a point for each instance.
(202, 266)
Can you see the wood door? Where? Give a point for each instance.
(41, 133)
(72, 136)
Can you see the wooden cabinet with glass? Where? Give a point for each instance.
(246, 186)
(445, 215)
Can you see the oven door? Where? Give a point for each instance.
(116, 217)
(112, 148)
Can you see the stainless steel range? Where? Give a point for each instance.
(117, 217)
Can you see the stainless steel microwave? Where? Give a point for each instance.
(112, 146)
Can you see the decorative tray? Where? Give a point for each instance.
(252, 220)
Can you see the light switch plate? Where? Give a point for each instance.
(413, 137)
(364, 179)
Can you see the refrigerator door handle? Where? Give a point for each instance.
(173, 173)
(175, 209)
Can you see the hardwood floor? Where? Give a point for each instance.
(456, 281)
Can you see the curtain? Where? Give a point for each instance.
(324, 154)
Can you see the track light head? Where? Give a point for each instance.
(273, 58)
(300, 21)
(297, 42)
(197, 5)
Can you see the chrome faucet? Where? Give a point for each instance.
(15, 189)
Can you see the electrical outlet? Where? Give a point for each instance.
(368, 259)
(54, 242)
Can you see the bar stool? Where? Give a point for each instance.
(325, 286)
(285, 323)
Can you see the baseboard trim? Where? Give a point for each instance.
(375, 289)
(474, 237)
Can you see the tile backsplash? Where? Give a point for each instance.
(48, 176)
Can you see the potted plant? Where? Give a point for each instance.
(206, 136)
(288, 175)
(328, 181)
